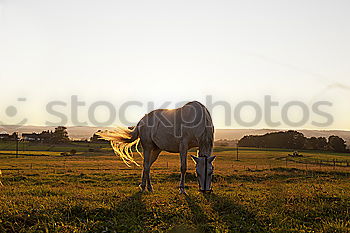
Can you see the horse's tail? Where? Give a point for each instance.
(0, 177)
(122, 140)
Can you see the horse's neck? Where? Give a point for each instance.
(205, 150)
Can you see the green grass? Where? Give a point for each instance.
(95, 192)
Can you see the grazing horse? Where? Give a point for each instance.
(171, 130)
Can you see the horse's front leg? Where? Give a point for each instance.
(183, 166)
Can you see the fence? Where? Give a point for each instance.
(322, 162)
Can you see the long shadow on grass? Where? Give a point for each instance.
(281, 174)
(262, 175)
(236, 217)
(128, 215)
(199, 217)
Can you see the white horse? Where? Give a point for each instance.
(176, 131)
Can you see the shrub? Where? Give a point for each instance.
(73, 152)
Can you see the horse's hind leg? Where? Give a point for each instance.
(149, 156)
(146, 167)
(154, 156)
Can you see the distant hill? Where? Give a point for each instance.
(85, 132)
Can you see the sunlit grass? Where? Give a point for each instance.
(96, 192)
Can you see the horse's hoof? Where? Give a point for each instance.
(182, 191)
(142, 188)
(150, 189)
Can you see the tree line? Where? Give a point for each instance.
(293, 140)
(57, 136)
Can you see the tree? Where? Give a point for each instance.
(97, 139)
(311, 143)
(314, 143)
(294, 140)
(46, 136)
(289, 139)
(321, 143)
(73, 151)
(14, 136)
(60, 135)
(337, 144)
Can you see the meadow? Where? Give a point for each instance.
(93, 191)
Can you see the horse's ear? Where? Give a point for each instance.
(195, 158)
(211, 159)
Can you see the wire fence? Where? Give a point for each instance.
(224, 166)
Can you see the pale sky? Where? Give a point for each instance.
(174, 51)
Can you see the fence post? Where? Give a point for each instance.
(17, 145)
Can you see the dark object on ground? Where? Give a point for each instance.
(295, 154)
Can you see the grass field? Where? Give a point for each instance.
(93, 191)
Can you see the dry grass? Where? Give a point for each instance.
(96, 192)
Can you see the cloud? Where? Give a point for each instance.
(337, 85)
(330, 87)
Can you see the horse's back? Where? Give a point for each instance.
(168, 128)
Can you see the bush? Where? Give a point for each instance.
(73, 152)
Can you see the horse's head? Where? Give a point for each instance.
(204, 171)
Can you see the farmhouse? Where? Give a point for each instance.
(4, 136)
(32, 137)
(8, 137)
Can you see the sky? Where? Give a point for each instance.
(158, 51)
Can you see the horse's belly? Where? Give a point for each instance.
(167, 142)
(170, 143)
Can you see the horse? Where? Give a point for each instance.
(171, 130)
